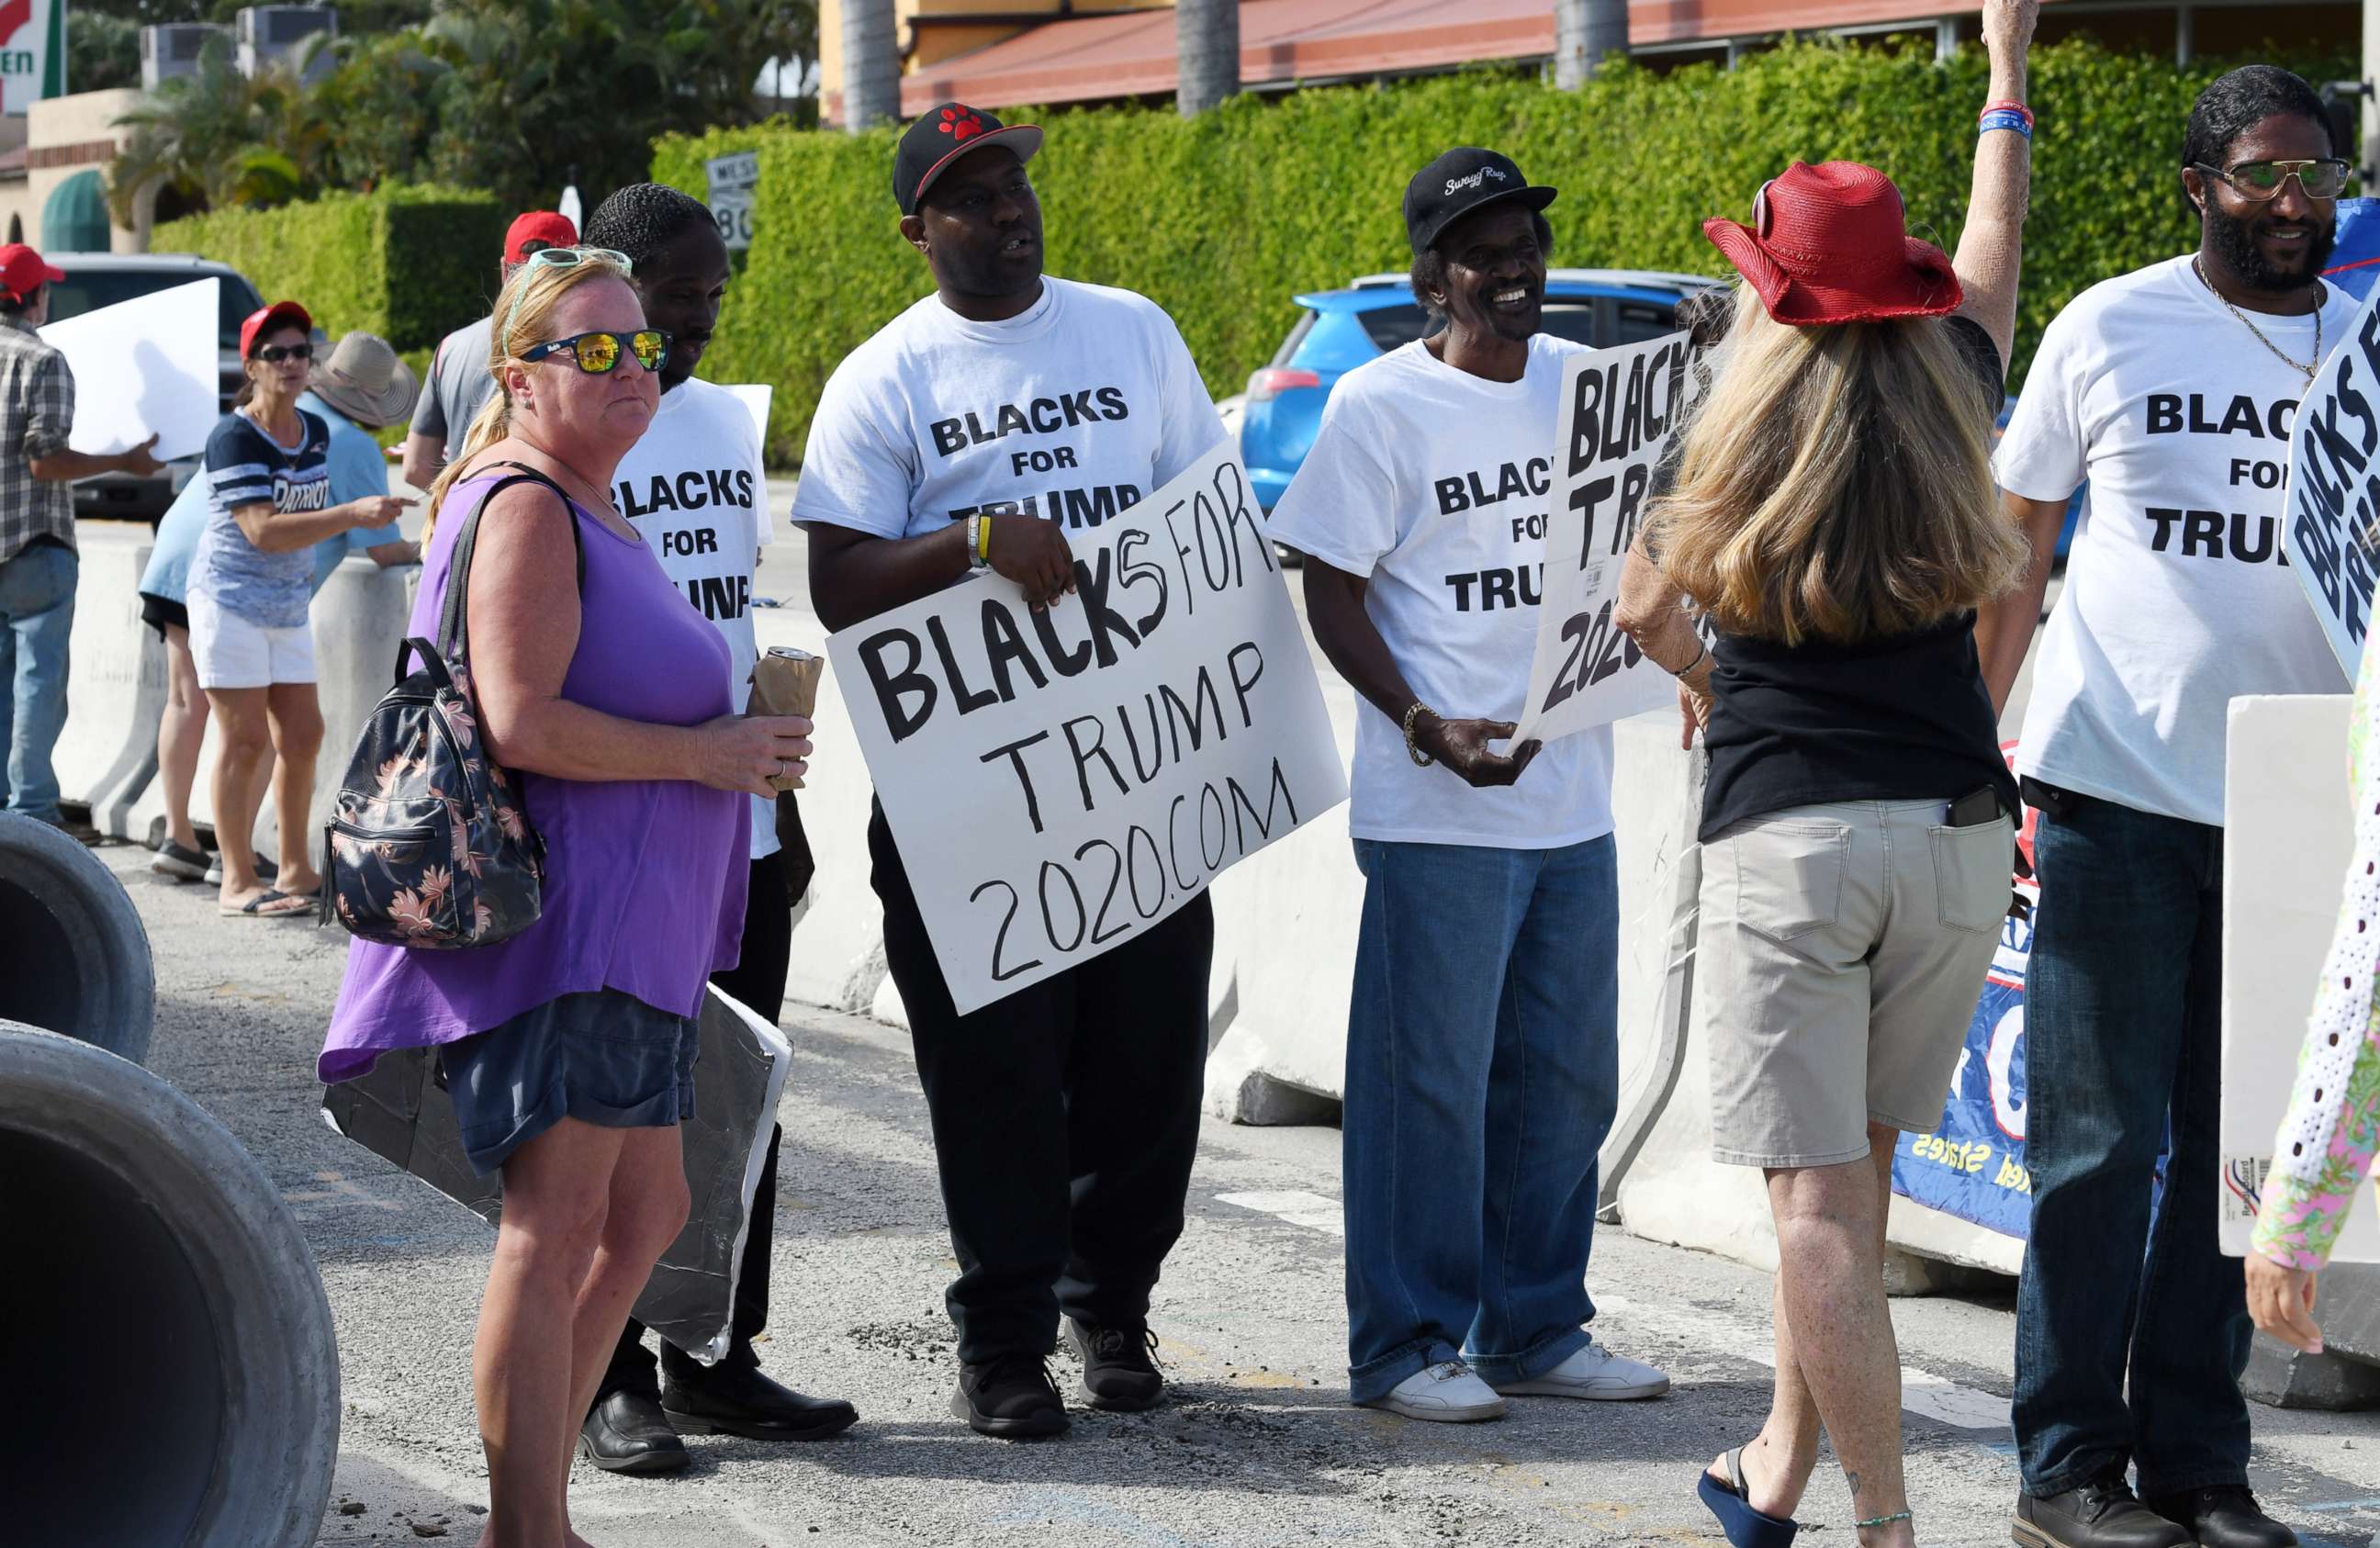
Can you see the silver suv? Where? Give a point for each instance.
(96, 280)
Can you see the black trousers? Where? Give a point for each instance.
(1065, 1119)
(758, 980)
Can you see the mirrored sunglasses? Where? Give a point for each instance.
(2261, 181)
(599, 353)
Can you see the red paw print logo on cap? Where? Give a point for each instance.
(961, 124)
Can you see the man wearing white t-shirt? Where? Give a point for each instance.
(2171, 390)
(695, 488)
(1483, 1034)
(977, 429)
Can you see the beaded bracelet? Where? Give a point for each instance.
(2003, 119)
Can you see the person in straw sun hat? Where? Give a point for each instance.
(365, 382)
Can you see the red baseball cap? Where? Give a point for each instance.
(1831, 244)
(544, 228)
(264, 320)
(23, 271)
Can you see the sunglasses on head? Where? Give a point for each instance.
(274, 353)
(565, 257)
(599, 353)
(2261, 181)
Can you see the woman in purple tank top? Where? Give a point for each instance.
(569, 1048)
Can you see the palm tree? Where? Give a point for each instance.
(1207, 39)
(871, 64)
(219, 136)
(1584, 31)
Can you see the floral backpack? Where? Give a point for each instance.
(428, 845)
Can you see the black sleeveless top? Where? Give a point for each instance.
(1898, 718)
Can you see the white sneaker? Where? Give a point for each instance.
(1594, 1372)
(1445, 1393)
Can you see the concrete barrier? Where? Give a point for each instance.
(78, 956)
(359, 619)
(115, 685)
(176, 1346)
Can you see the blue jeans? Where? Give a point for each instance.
(37, 598)
(1483, 1072)
(2122, 1039)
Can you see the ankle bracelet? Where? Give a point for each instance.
(1882, 1520)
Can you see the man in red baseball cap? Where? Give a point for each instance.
(39, 565)
(459, 381)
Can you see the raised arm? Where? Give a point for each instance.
(1991, 245)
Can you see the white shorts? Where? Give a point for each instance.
(235, 652)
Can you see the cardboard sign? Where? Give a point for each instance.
(755, 397)
(1620, 409)
(2288, 831)
(2330, 526)
(401, 1112)
(145, 366)
(1059, 781)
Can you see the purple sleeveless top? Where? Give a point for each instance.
(645, 879)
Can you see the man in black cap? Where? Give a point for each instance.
(1483, 1032)
(973, 432)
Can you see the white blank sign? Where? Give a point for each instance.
(145, 366)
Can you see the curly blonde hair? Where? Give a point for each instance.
(1836, 484)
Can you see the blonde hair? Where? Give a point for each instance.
(1836, 483)
(524, 311)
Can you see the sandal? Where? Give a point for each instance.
(260, 907)
(1732, 1503)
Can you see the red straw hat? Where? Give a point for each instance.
(1831, 244)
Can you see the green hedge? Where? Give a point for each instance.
(1221, 219)
(409, 264)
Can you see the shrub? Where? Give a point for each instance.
(1222, 218)
(409, 264)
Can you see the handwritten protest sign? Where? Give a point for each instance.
(1619, 407)
(2327, 528)
(1059, 780)
(145, 366)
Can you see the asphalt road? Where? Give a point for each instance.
(1258, 1447)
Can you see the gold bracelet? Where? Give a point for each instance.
(1417, 709)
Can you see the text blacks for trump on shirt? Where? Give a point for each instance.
(1073, 411)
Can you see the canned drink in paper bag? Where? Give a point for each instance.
(786, 681)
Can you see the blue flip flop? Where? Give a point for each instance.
(1732, 1503)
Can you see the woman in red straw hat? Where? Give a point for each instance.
(1833, 519)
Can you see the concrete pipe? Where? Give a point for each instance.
(73, 956)
(166, 1326)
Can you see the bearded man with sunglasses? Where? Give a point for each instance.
(973, 432)
(2172, 390)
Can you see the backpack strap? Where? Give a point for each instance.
(451, 623)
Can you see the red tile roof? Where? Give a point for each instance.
(1088, 58)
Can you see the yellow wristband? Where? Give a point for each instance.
(983, 540)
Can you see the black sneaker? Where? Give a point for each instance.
(2224, 1517)
(1011, 1398)
(2101, 1514)
(1119, 1366)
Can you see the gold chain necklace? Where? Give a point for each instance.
(2309, 372)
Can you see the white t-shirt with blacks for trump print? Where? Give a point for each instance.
(2177, 599)
(694, 489)
(1435, 485)
(1075, 410)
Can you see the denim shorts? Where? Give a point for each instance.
(605, 1058)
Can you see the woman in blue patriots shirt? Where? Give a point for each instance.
(269, 479)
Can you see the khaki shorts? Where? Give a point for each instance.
(1840, 953)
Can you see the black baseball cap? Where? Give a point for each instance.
(1463, 179)
(942, 135)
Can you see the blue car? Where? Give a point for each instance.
(1339, 330)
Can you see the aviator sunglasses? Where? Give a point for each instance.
(599, 353)
(2262, 181)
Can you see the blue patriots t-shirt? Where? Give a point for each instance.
(245, 466)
